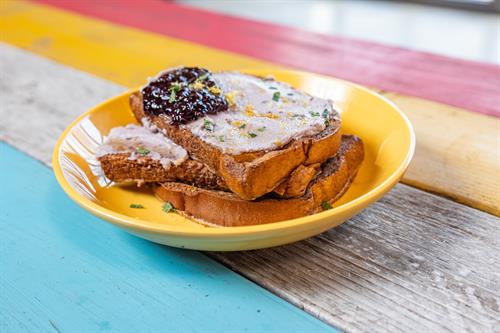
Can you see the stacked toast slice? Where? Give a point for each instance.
(232, 149)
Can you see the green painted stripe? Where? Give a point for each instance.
(63, 270)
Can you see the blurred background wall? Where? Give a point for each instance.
(468, 29)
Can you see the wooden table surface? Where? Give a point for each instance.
(424, 258)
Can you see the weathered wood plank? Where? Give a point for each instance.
(411, 262)
(38, 100)
(457, 152)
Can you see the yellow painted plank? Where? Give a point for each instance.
(457, 151)
(117, 53)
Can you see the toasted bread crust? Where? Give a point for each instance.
(249, 175)
(227, 209)
(296, 184)
(119, 168)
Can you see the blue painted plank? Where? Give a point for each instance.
(62, 269)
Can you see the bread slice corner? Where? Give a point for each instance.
(121, 169)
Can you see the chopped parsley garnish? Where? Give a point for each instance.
(175, 86)
(290, 94)
(276, 96)
(138, 206)
(142, 151)
(222, 138)
(326, 205)
(242, 126)
(296, 115)
(252, 135)
(273, 88)
(172, 97)
(262, 129)
(202, 77)
(167, 207)
(208, 125)
(326, 115)
(174, 89)
(314, 114)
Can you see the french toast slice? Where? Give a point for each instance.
(249, 174)
(120, 169)
(134, 153)
(138, 154)
(229, 210)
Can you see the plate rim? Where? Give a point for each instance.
(222, 232)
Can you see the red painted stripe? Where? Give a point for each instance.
(471, 85)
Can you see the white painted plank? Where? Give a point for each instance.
(39, 98)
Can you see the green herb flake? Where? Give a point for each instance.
(208, 125)
(172, 97)
(262, 129)
(242, 126)
(167, 207)
(326, 205)
(202, 77)
(276, 96)
(175, 87)
(314, 114)
(222, 138)
(252, 135)
(273, 88)
(137, 206)
(143, 151)
(326, 116)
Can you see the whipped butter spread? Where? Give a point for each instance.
(137, 141)
(236, 112)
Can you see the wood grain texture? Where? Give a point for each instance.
(443, 166)
(121, 54)
(38, 100)
(447, 80)
(413, 262)
(457, 152)
(64, 270)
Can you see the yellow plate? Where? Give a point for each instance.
(389, 145)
